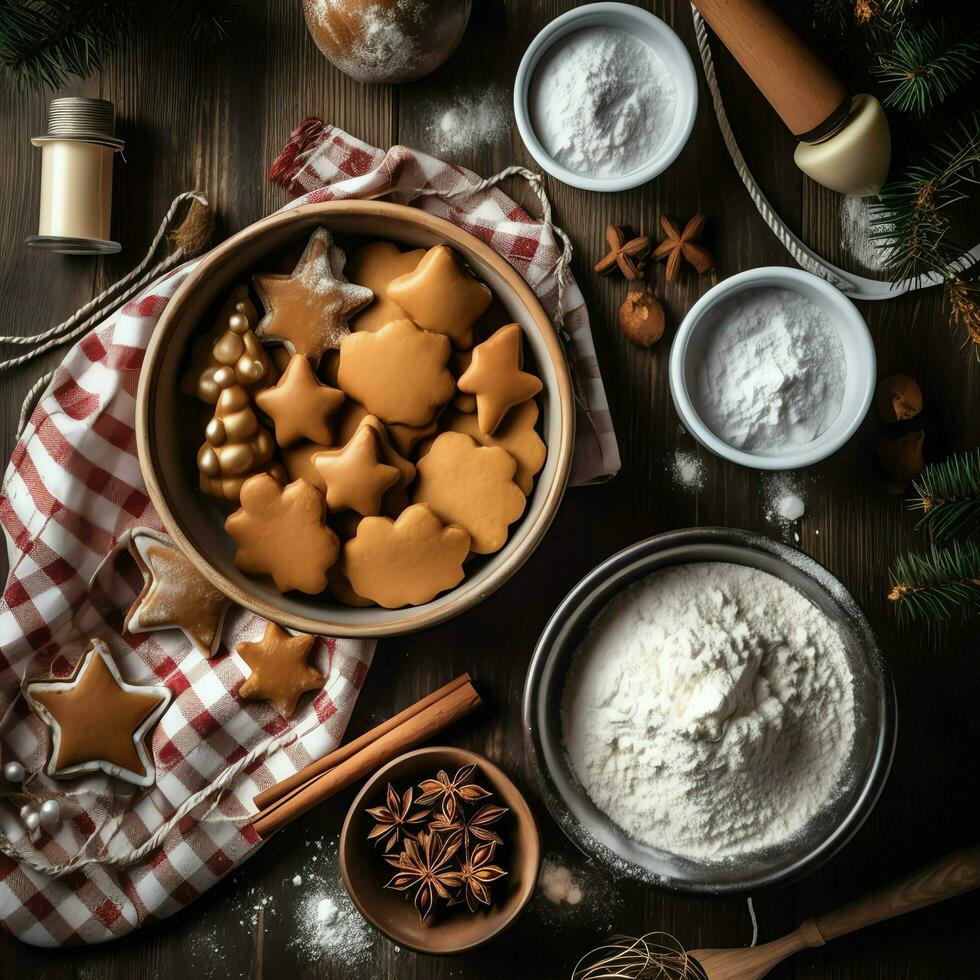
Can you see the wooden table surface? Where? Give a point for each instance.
(213, 119)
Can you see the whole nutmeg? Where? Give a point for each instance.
(901, 459)
(898, 398)
(641, 317)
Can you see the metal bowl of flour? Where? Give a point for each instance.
(595, 833)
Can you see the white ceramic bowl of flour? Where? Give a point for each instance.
(773, 369)
(605, 97)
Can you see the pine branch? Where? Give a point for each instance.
(43, 43)
(923, 69)
(203, 20)
(934, 586)
(910, 220)
(949, 496)
(964, 304)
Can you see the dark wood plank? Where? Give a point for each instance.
(213, 119)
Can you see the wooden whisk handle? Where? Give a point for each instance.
(948, 877)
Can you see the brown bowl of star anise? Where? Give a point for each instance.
(440, 851)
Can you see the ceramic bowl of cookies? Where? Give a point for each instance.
(355, 418)
(486, 850)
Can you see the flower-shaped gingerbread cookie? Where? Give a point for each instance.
(375, 265)
(472, 486)
(282, 532)
(496, 379)
(309, 309)
(441, 296)
(407, 561)
(299, 405)
(517, 434)
(398, 373)
(354, 477)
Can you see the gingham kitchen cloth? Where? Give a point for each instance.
(70, 496)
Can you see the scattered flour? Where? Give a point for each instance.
(855, 229)
(558, 885)
(784, 499)
(709, 711)
(470, 121)
(602, 102)
(688, 470)
(773, 371)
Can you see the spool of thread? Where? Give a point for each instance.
(76, 178)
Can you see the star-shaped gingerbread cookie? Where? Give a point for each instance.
(309, 309)
(282, 532)
(496, 378)
(175, 594)
(281, 671)
(98, 721)
(407, 561)
(442, 296)
(300, 406)
(375, 265)
(354, 476)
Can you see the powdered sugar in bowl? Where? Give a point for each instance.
(773, 369)
(605, 97)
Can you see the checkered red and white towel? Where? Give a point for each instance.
(71, 494)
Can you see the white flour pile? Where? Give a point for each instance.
(602, 102)
(773, 372)
(688, 470)
(559, 885)
(709, 712)
(470, 121)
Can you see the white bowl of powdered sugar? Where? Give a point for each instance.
(773, 368)
(708, 710)
(605, 97)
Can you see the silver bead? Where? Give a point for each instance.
(32, 821)
(50, 814)
(13, 772)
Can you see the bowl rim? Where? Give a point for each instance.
(496, 775)
(548, 652)
(415, 617)
(790, 278)
(594, 14)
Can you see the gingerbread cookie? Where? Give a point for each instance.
(298, 461)
(517, 434)
(175, 594)
(99, 722)
(281, 671)
(442, 296)
(230, 343)
(398, 373)
(282, 532)
(299, 406)
(472, 486)
(374, 265)
(236, 445)
(389, 454)
(342, 590)
(406, 437)
(354, 477)
(460, 362)
(309, 309)
(496, 379)
(407, 561)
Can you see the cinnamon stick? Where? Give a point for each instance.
(269, 796)
(419, 727)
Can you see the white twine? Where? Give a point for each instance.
(99, 306)
(755, 922)
(851, 284)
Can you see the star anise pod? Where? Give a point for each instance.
(476, 825)
(451, 791)
(425, 866)
(629, 256)
(394, 818)
(477, 874)
(681, 245)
